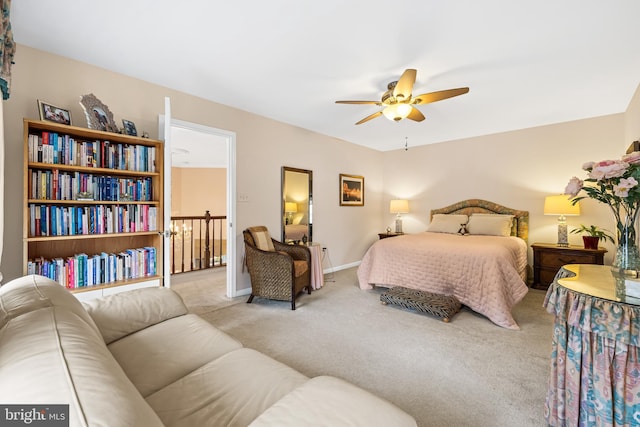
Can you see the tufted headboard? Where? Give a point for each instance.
(520, 225)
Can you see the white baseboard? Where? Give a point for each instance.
(243, 292)
(341, 267)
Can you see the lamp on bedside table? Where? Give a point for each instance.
(290, 208)
(561, 205)
(399, 207)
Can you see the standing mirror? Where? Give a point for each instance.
(297, 201)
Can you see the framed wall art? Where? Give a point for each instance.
(351, 190)
(129, 128)
(99, 116)
(53, 114)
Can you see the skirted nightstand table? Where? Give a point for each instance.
(595, 366)
(549, 257)
(317, 274)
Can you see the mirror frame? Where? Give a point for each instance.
(309, 173)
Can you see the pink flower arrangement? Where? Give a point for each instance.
(615, 183)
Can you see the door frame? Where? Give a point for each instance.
(230, 138)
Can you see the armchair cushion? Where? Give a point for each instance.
(300, 267)
(262, 238)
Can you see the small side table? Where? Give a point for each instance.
(548, 258)
(385, 235)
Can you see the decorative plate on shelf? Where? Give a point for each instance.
(99, 116)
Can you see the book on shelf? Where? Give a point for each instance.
(51, 147)
(57, 185)
(82, 270)
(54, 220)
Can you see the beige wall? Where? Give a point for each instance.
(632, 119)
(263, 146)
(196, 190)
(516, 169)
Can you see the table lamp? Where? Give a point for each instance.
(290, 208)
(399, 207)
(563, 206)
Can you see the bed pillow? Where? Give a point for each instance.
(297, 218)
(441, 223)
(490, 224)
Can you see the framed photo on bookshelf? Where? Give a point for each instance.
(53, 114)
(98, 115)
(129, 128)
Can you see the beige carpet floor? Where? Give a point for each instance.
(468, 372)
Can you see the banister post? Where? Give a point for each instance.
(207, 250)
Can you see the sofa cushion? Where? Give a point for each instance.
(121, 314)
(232, 390)
(152, 361)
(329, 401)
(51, 355)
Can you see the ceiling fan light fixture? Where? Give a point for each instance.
(398, 101)
(397, 112)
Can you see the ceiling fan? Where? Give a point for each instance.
(398, 101)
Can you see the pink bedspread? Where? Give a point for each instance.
(484, 272)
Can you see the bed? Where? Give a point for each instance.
(295, 231)
(485, 269)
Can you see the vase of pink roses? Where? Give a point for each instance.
(615, 183)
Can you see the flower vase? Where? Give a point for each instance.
(627, 258)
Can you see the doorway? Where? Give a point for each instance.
(198, 147)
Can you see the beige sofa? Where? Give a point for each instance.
(140, 359)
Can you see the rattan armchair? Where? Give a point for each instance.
(278, 271)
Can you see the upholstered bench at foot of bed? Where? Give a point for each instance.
(444, 306)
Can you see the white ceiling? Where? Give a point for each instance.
(527, 63)
(191, 148)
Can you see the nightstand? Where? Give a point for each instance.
(548, 258)
(385, 235)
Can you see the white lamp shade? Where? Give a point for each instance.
(399, 206)
(291, 207)
(561, 205)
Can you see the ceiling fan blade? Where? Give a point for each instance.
(427, 98)
(358, 102)
(372, 116)
(405, 85)
(415, 115)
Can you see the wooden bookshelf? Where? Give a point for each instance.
(93, 208)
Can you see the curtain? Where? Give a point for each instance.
(2, 169)
(8, 49)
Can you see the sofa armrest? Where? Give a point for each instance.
(122, 314)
